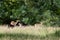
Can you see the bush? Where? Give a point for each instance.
(30, 11)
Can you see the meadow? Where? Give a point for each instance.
(37, 32)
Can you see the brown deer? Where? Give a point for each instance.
(13, 23)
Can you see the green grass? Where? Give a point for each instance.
(27, 37)
(20, 36)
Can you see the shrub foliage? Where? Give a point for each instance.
(30, 11)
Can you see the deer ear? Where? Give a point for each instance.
(17, 24)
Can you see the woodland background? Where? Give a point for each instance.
(30, 11)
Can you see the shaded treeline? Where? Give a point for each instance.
(30, 12)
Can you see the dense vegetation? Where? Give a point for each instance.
(30, 11)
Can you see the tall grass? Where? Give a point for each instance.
(28, 33)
